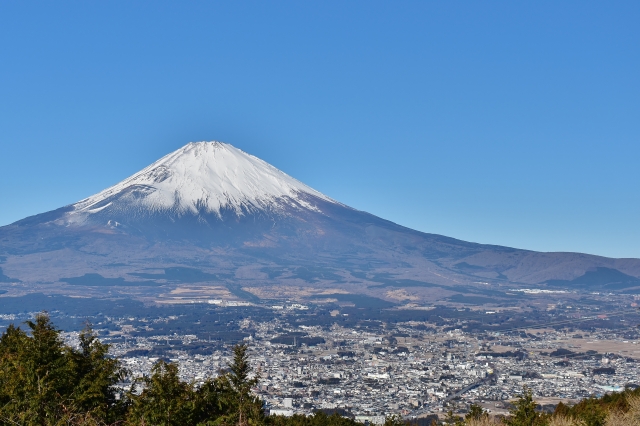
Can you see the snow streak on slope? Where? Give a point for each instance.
(203, 177)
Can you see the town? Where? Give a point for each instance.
(414, 369)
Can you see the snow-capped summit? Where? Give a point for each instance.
(209, 213)
(203, 178)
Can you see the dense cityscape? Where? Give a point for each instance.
(414, 369)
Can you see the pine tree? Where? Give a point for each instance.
(13, 383)
(165, 399)
(36, 377)
(211, 404)
(245, 409)
(524, 412)
(96, 375)
(45, 382)
(395, 420)
(475, 413)
(452, 419)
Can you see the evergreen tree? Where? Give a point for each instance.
(13, 382)
(36, 378)
(45, 382)
(452, 419)
(594, 411)
(561, 410)
(211, 404)
(475, 413)
(95, 376)
(165, 399)
(395, 420)
(524, 412)
(319, 418)
(245, 409)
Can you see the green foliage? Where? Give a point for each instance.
(524, 412)
(475, 413)
(165, 400)
(395, 421)
(243, 408)
(562, 410)
(453, 420)
(594, 411)
(318, 419)
(96, 374)
(43, 382)
(211, 402)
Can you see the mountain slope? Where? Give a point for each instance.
(223, 218)
(201, 178)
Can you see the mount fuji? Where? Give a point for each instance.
(210, 220)
(202, 180)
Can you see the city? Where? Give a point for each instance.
(415, 369)
(325, 213)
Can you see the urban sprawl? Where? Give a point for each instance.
(413, 368)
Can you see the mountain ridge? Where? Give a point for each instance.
(216, 209)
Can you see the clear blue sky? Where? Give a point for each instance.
(513, 123)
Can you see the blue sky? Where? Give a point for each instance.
(511, 123)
